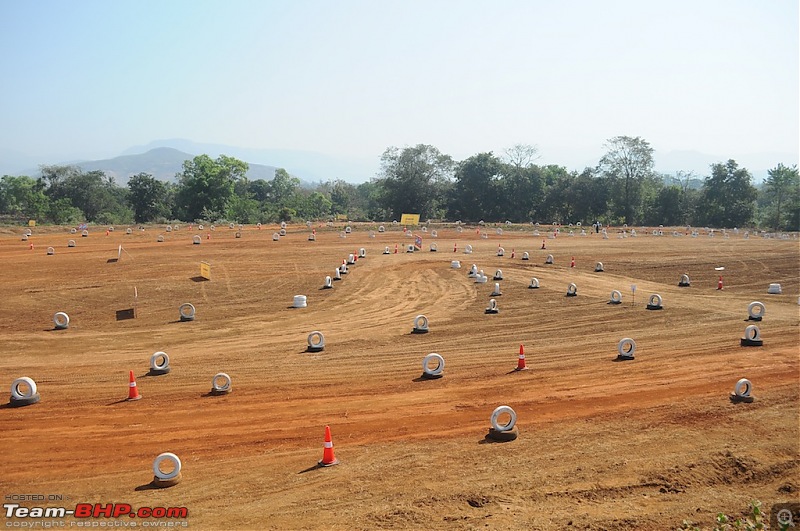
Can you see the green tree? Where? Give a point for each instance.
(627, 163)
(727, 197)
(207, 185)
(62, 212)
(476, 193)
(282, 187)
(414, 180)
(147, 196)
(23, 197)
(782, 194)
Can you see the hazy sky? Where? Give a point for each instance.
(89, 79)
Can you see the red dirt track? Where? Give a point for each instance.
(642, 444)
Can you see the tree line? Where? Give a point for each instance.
(622, 188)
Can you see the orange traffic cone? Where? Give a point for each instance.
(543, 245)
(395, 248)
(355, 255)
(328, 459)
(572, 263)
(133, 391)
(521, 363)
(455, 247)
(512, 253)
(719, 283)
(208, 236)
(107, 232)
(31, 247)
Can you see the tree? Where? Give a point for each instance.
(782, 192)
(522, 155)
(628, 161)
(147, 196)
(475, 195)
(414, 180)
(23, 197)
(206, 186)
(282, 187)
(727, 197)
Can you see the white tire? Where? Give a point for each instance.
(468, 249)
(743, 388)
(61, 320)
(316, 340)
(421, 322)
(224, 387)
(572, 289)
(496, 415)
(187, 311)
(534, 282)
(436, 371)
(626, 347)
(159, 361)
(655, 300)
(196, 239)
(27, 382)
(166, 476)
(756, 310)
(752, 333)
(616, 296)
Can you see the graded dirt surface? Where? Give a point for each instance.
(639, 444)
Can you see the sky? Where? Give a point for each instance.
(88, 79)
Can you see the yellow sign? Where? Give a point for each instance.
(341, 217)
(31, 222)
(409, 219)
(205, 270)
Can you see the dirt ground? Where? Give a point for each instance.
(640, 444)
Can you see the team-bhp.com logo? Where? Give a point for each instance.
(94, 510)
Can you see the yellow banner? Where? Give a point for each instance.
(409, 219)
(31, 222)
(341, 217)
(205, 270)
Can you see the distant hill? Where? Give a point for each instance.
(307, 165)
(162, 163)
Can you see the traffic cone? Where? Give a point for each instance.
(572, 263)
(512, 253)
(455, 247)
(133, 391)
(395, 248)
(543, 245)
(355, 255)
(31, 246)
(107, 232)
(328, 459)
(208, 236)
(521, 363)
(719, 283)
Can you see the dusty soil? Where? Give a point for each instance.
(641, 444)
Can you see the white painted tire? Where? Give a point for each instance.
(626, 347)
(300, 301)
(348, 230)
(655, 300)
(598, 267)
(51, 251)
(283, 224)
(196, 239)
(435, 371)
(362, 253)
(434, 234)
(496, 415)
(328, 282)
(85, 234)
(316, 340)
(61, 320)
(498, 275)
(200, 227)
(752, 333)
(468, 249)
(534, 283)
(160, 238)
(187, 311)
(15, 385)
(420, 322)
(71, 243)
(455, 264)
(166, 476)
(549, 259)
(434, 247)
(226, 383)
(743, 388)
(159, 361)
(572, 289)
(275, 236)
(381, 229)
(616, 296)
(756, 310)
